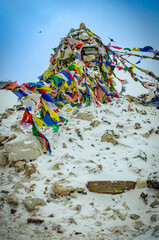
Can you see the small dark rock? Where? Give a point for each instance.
(51, 215)
(5, 191)
(137, 125)
(35, 221)
(77, 233)
(154, 204)
(13, 211)
(134, 216)
(153, 180)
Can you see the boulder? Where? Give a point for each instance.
(27, 148)
(63, 191)
(109, 136)
(85, 116)
(32, 203)
(110, 187)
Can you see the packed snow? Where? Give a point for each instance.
(79, 156)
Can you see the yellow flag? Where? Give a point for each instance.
(132, 67)
(39, 122)
(53, 115)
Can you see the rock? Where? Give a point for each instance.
(134, 216)
(16, 128)
(78, 207)
(57, 166)
(143, 112)
(122, 216)
(85, 116)
(79, 134)
(4, 115)
(13, 211)
(138, 225)
(43, 144)
(144, 197)
(73, 195)
(10, 112)
(64, 145)
(125, 206)
(97, 223)
(12, 199)
(154, 204)
(35, 221)
(153, 218)
(146, 135)
(119, 126)
(141, 183)
(156, 231)
(2, 139)
(153, 180)
(63, 191)
(110, 187)
(95, 123)
(80, 190)
(27, 149)
(20, 165)
(32, 203)
(75, 111)
(4, 191)
(3, 159)
(142, 155)
(18, 186)
(89, 58)
(30, 169)
(109, 137)
(72, 220)
(12, 137)
(72, 139)
(57, 228)
(137, 126)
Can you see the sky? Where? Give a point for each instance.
(25, 52)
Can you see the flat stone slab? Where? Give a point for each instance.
(110, 187)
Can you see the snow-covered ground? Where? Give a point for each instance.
(85, 158)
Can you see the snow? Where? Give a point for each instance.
(98, 218)
(7, 100)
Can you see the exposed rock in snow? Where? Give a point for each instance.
(18, 149)
(3, 158)
(153, 180)
(32, 203)
(85, 116)
(12, 199)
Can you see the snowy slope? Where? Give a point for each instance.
(7, 100)
(85, 158)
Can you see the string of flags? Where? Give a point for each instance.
(81, 71)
